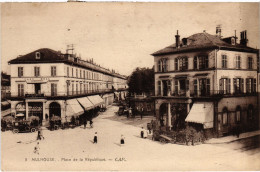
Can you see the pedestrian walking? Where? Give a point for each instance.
(41, 134)
(142, 132)
(95, 138)
(91, 123)
(37, 148)
(122, 141)
(38, 135)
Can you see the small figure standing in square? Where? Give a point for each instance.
(37, 148)
(95, 138)
(122, 141)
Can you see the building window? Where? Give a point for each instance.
(163, 65)
(68, 72)
(53, 89)
(72, 72)
(195, 84)
(238, 62)
(80, 75)
(77, 88)
(238, 114)
(20, 90)
(250, 63)
(203, 62)
(68, 88)
(80, 88)
(76, 73)
(84, 74)
(204, 86)
(20, 71)
(36, 71)
(224, 61)
(37, 55)
(224, 86)
(53, 71)
(250, 85)
(159, 88)
(238, 85)
(183, 63)
(225, 116)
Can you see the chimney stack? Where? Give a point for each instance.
(177, 38)
(243, 38)
(218, 31)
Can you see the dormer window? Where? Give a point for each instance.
(37, 55)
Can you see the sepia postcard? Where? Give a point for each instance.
(130, 86)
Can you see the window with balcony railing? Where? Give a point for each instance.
(238, 62)
(53, 70)
(238, 85)
(224, 86)
(20, 90)
(163, 65)
(250, 85)
(36, 71)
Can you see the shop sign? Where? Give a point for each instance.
(20, 107)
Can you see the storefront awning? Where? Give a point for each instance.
(73, 108)
(202, 113)
(84, 101)
(96, 100)
(5, 103)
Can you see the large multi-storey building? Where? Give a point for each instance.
(46, 82)
(208, 82)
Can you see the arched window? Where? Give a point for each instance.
(163, 65)
(225, 116)
(238, 114)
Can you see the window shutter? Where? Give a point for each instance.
(229, 85)
(187, 85)
(206, 61)
(208, 86)
(242, 85)
(254, 85)
(195, 62)
(247, 85)
(220, 85)
(234, 85)
(176, 64)
(186, 63)
(195, 86)
(176, 86)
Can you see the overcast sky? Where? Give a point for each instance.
(118, 36)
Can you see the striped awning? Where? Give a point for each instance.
(73, 108)
(202, 113)
(84, 101)
(96, 100)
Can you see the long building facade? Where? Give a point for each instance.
(46, 83)
(208, 82)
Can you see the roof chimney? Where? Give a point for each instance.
(218, 31)
(177, 38)
(243, 38)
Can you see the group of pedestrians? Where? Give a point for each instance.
(144, 133)
(95, 140)
(39, 137)
(86, 122)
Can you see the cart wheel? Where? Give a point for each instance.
(15, 131)
(33, 130)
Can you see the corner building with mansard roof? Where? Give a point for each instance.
(207, 82)
(46, 83)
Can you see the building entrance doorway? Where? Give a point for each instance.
(54, 109)
(36, 109)
(163, 113)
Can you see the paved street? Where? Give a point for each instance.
(72, 149)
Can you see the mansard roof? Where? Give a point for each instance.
(51, 56)
(202, 41)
